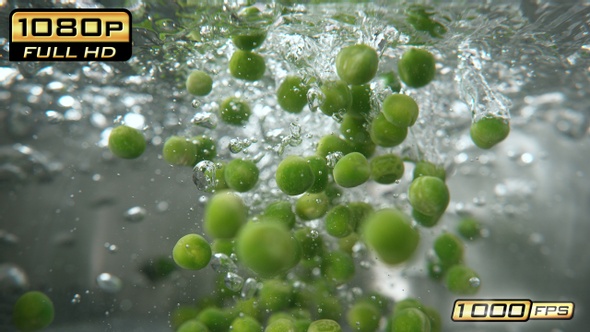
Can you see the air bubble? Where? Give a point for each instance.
(8, 238)
(112, 248)
(474, 282)
(315, 98)
(76, 299)
(109, 283)
(233, 281)
(339, 116)
(332, 158)
(249, 288)
(162, 206)
(221, 263)
(237, 145)
(54, 117)
(479, 201)
(205, 119)
(135, 214)
(204, 175)
(12, 279)
(314, 234)
(527, 158)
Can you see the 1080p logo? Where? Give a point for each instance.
(70, 35)
(510, 310)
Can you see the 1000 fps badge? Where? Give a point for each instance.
(70, 35)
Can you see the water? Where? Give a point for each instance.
(528, 61)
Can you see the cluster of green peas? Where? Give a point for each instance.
(273, 244)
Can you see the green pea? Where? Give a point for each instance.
(294, 175)
(281, 212)
(436, 270)
(303, 297)
(366, 148)
(247, 65)
(320, 171)
(337, 97)
(192, 325)
(401, 110)
(158, 268)
(235, 111)
(333, 192)
(387, 168)
(379, 300)
(448, 248)
(312, 244)
(361, 101)
(416, 67)
(275, 295)
(249, 307)
(332, 143)
(292, 94)
(354, 129)
(363, 317)
(357, 64)
(391, 80)
(192, 252)
(32, 311)
(339, 221)
(338, 267)
(224, 215)
(429, 169)
(220, 183)
(360, 211)
(223, 293)
(279, 316)
(435, 319)
(347, 243)
(183, 314)
(429, 195)
(267, 248)
(312, 206)
(206, 148)
(407, 303)
(245, 324)
(281, 325)
(223, 246)
(386, 134)
(126, 142)
(199, 83)
(302, 325)
(352, 170)
(249, 35)
(324, 325)
(249, 39)
(327, 306)
(241, 175)
(215, 319)
(298, 314)
(419, 17)
(469, 228)
(410, 320)
(389, 233)
(425, 220)
(360, 107)
(489, 131)
(179, 151)
(462, 280)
